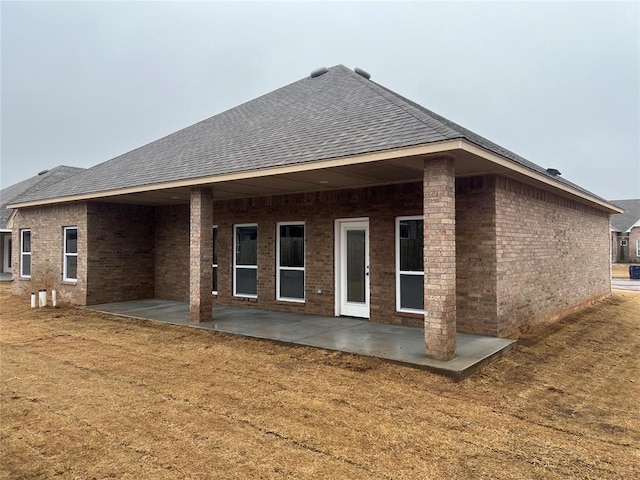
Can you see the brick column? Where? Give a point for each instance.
(201, 255)
(439, 258)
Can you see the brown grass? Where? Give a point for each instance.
(91, 396)
(620, 270)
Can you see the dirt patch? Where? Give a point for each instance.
(85, 395)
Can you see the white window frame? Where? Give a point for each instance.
(623, 243)
(65, 254)
(214, 264)
(403, 272)
(235, 267)
(23, 253)
(297, 269)
(638, 248)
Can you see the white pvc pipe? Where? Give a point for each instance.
(33, 300)
(54, 297)
(42, 298)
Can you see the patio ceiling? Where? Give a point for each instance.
(400, 170)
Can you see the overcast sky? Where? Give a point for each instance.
(557, 83)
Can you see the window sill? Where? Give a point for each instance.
(409, 314)
(69, 282)
(282, 301)
(248, 299)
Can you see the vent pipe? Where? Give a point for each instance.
(319, 71)
(362, 73)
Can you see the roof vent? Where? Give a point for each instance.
(362, 73)
(43, 172)
(553, 171)
(319, 71)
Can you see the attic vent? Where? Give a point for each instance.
(362, 73)
(43, 172)
(319, 71)
(554, 172)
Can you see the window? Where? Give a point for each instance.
(290, 262)
(623, 243)
(409, 264)
(70, 266)
(638, 248)
(215, 260)
(245, 261)
(25, 253)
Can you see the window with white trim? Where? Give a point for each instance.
(214, 266)
(409, 264)
(245, 261)
(290, 262)
(25, 253)
(70, 264)
(638, 248)
(623, 243)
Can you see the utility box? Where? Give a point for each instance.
(634, 272)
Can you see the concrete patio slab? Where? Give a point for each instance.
(628, 284)
(390, 342)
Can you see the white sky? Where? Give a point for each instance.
(558, 83)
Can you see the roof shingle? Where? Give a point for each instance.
(337, 114)
(32, 185)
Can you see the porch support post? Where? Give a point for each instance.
(439, 210)
(201, 255)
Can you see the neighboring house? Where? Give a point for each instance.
(9, 194)
(625, 232)
(330, 196)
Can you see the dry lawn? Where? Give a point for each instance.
(91, 396)
(620, 270)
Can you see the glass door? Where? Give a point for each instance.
(354, 268)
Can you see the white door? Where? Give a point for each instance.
(6, 260)
(352, 268)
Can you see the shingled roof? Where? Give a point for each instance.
(628, 218)
(31, 185)
(337, 114)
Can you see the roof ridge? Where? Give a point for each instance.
(402, 102)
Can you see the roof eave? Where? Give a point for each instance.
(418, 150)
(425, 149)
(511, 165)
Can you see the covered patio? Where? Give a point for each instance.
(399, 344)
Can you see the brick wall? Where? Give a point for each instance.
(634, 237)
(552, 255)
(171, 261)
(318, 211)
(2, 237)
(615, 247)
(534, 269)
(46, 224)
(120, 264)
(476, 278)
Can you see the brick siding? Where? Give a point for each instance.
(476, 277)
(552, 255)
(120, 264)
(318, 211)
(46, 225)
(171, 266)
(520, 251)
(634, 237)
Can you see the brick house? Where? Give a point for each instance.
(625, 232)
(43, 179)
(332, 196)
